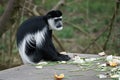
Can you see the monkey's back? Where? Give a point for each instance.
(30, 26)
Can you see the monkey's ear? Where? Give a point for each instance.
(48, 16)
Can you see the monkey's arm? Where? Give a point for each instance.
(52, 54)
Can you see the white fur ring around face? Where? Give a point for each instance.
(52, 24)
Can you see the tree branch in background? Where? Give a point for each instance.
(1, 2)
(111, 24)
(6, 20)
(110, 30)
(85, 33)
(59, 4)
(58, 42)
(43, 1)
(93, 42)
(78, 28)
(6, 16)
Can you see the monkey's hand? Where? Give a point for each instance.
(64, 57)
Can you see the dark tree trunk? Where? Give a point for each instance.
(6, 20)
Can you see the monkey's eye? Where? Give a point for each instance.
(60, 19)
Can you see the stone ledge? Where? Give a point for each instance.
(28, 72)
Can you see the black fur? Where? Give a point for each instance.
(45, 52)
(54, 13)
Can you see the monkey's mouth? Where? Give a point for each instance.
(58, 26)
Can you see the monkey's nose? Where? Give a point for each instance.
(59, 25)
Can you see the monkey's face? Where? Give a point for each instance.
(55, 23)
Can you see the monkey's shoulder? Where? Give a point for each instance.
(34, 21)
(33, 24)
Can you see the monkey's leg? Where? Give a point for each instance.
(52, 54)
(33, 52)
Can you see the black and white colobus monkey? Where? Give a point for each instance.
(34, 38)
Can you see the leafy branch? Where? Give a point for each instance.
(111, 24)
(110, 27)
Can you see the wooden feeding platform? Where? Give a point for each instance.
(70, 71)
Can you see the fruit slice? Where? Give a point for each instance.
(59, 77)
(113, 64)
